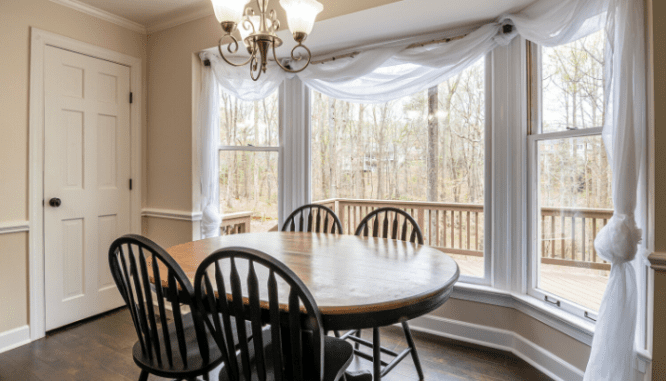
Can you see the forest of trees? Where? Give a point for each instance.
(425, 147)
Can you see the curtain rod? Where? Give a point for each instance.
(506, 29)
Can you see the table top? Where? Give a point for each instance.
(357, 282)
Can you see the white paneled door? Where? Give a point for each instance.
(86, 182)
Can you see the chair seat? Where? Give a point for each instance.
(338, 355)
(195, 362)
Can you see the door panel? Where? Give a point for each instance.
(87, 166)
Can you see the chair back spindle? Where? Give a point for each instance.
(313, 218)
(233, 282)
(389, 220)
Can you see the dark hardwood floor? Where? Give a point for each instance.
(100, 349)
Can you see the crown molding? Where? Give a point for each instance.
(178, 20)
(102, 14)
(658, 261)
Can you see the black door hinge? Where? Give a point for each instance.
(131, 97)
(130, 184)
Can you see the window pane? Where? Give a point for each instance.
(244, 123)
(573, 84)
(249, 183)
(575, 203)
(381, 152)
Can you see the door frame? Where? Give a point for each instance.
(39, 39)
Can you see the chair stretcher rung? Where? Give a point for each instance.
(395, 361)
(368, 357)
(371, 345)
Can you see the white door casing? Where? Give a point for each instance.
(86, 166)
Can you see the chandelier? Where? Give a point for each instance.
(258, 31)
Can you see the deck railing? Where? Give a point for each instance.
(567, 234)
(236, 223)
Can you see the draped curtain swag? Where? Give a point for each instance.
(392, 72)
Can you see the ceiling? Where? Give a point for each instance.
(390, 18)
(399, 20)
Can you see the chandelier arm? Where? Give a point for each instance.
(254, 67)
(294, 58)
(219, 48)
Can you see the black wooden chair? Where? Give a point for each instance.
(313, 218)
(397, 224)
(176, 349)
(292, 347)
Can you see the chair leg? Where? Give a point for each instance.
(357, 345)
(415, 355)
(143, 376)
(376, 355)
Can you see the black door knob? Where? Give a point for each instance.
(55, 202)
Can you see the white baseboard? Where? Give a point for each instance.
(14, 338)
(509, 341)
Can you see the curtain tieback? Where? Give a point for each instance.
(618, 241)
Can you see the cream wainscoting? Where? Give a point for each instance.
(501, 339)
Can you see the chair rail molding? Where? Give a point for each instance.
(171, 214)
(9, 227)
(658, 261)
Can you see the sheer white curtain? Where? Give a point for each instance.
(209, 127)
(388, 73)
(612, 356)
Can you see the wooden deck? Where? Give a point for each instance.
(582, 286)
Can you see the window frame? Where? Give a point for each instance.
(534, 223)
(250, 148)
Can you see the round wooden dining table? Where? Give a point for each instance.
(357, 282)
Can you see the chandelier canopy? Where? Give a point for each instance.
(258, 31)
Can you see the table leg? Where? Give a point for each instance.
(376, 355)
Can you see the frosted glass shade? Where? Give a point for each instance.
(301, 14)
(229, 10)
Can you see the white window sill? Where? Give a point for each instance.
(573, 326)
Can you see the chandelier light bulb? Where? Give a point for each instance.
(229, 10)
(301, 15)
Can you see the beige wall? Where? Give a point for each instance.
(16, 18)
